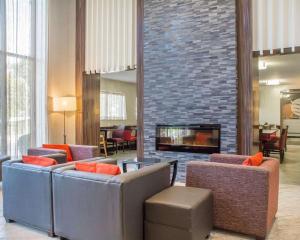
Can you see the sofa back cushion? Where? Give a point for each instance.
(64, 147)
(86, 166)
(39, 161)
(108, 169)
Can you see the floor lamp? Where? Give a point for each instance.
(64, 104)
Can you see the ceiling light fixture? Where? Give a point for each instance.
(273, 82)
(262, 65)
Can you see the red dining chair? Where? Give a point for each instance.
(129, 138)
(278, 146)
(117, 139)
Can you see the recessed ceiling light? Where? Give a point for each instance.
(273, 82)
(262, 65)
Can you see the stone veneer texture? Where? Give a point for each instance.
(190, 70)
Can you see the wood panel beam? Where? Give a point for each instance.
(244, 67)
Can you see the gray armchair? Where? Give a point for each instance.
(100, 207)
(27, 194)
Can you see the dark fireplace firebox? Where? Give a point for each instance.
(196, 138)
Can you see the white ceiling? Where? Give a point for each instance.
(124, 76)
(286, 68)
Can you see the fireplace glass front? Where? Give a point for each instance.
(202, 138)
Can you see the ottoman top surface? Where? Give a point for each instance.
(182, 197)
(179, 207)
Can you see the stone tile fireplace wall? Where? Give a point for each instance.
(190, 70)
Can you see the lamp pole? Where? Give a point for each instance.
(65, 136)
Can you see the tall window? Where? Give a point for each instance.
(23, 71)
(112, 106)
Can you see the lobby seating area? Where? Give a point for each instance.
(149, 120)
(141, 203)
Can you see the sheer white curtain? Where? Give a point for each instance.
(2, 78)
(275, 25)
(112, 106)
(110, 35)
(23, 74)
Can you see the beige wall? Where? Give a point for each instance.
(61, 66)
(129, 90)
(270, 101)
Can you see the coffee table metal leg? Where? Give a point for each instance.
(175, 166)
(124, 165)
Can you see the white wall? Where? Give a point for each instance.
(61, 68)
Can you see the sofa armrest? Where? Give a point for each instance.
(44, 151)
(137, 187)
(80, 152)
(228, 158)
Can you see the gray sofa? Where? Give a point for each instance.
(90, 206)
(2, 160)
(27, 193)
(79, 152)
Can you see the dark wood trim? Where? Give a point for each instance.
(91, 109)
(244, 68)
(79, 65)
(140, 78)
(276, 52)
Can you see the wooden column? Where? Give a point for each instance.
(140, 78)
(80, 65)
(245, 102)
(91, 109)
(256, 99)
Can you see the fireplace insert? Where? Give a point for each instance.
(196, 138)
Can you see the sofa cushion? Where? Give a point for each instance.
(39, 161)
(86, 166)
(64, 147)
(108, 169)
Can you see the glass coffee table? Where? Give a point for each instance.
(149, 162)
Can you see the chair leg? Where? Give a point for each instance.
(123, 146)
(9, 220)
(51, 234)
(105, 149)
(281, 156)
(117, 148)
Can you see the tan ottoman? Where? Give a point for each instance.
(179, 213)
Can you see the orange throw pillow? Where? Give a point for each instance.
(39, 161)
(85, 167)
(108, 169)
(64, 147)
(255, 160)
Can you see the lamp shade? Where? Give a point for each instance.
(64, 104)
